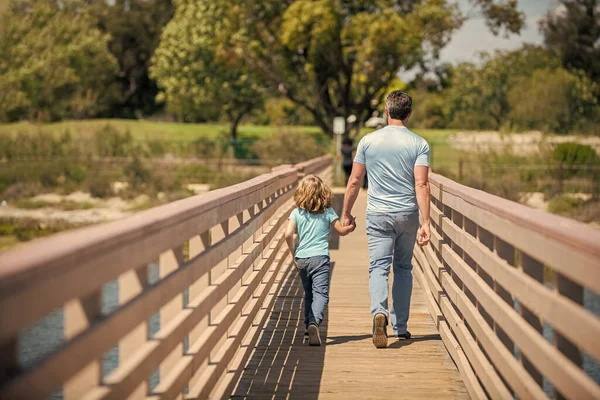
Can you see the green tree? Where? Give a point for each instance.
(332, 57)
(134, 27)
(555, 101)
(201, 78)
(54, 63)
(575, 35)
(478, 95)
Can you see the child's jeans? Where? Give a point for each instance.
(314, 272)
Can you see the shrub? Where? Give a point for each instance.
(76, 173)
(100, 186)
(137, 174)
(112, 143)
(571, 153)
(287, 147)
(563, 204)
(22, 190)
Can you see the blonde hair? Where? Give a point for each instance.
(313, 195)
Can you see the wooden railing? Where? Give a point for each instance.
(506, 286)
(220, 258)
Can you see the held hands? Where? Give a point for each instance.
(424, 234)
(349, 220)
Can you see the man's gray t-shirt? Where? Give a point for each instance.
(390, 155)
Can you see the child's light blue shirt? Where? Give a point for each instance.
(313, 232)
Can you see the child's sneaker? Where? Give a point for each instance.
(314, 338)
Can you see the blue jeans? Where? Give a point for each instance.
(391, 241)
(314, 272)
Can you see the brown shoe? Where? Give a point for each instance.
(380, 337)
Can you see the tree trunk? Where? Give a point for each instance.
(235, 121)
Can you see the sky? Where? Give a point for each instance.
(474, 36)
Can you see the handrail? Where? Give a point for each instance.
(224, 249)
(496, 272)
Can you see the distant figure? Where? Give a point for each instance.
(312, 219)
(347, 152)
(397, 163)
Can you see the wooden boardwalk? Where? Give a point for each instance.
(348, 366)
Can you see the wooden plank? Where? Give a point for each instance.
(556, 228)
(554, 241)
(57, 268)
(482, 367)
(535, 270)
(9, 366)
(576, 323)
(169, 315)
(551, 363)
(573, 292)
(281, 365)
(208, 380)
(94, 342)
(79, 315)
(225, 388)
(455, 350)
(148, 357)
(501, 357)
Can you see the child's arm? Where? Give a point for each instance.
(343, 230)
(289, 237)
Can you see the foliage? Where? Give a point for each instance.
(575, 159)
(478, 95)
(555, 101)
(54, 63)
(281, 111)
(574, 34)
(563, 204)
(199, 79)
(336, 58)
(134, 27)
(100, 186)
(524, 89)
(287, 147)
(570, 153)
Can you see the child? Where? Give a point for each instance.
(313, 219)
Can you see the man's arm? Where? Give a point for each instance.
(423, 200)
(358, 172)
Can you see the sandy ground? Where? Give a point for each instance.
(103, 209)
(519, 143)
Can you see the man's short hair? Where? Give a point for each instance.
(399, 104)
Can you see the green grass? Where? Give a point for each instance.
(150, 130)
(66, 205)
(444, 159)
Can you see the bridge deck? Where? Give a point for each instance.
(348, 366)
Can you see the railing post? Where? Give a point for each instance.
(198, 244)
(131, 284)
(170, 261)
(535, 270)
(9, 366)
(79, 314)
(506, 252)
(566, 287)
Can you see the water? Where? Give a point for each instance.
(47, 335)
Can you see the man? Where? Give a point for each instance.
(397, 166)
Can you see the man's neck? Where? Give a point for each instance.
(396, 122)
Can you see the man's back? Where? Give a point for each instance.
(390, 156)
